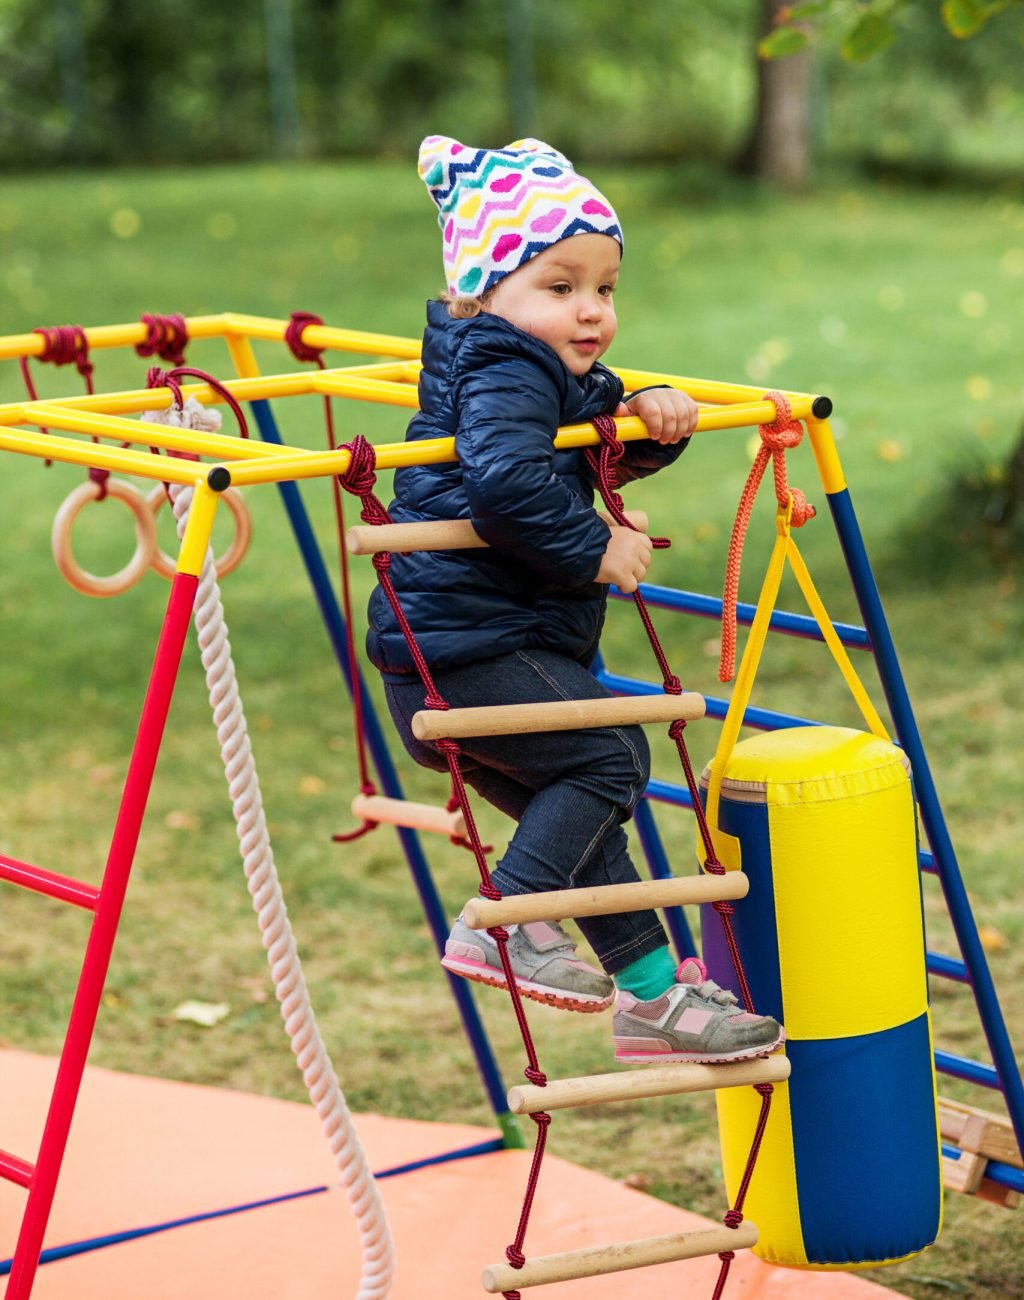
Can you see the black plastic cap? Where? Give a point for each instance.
(219, 477)
(821, 408)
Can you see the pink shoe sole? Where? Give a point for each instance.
(697, 1058)
(481, 974)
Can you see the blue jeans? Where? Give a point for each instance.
(570, 791)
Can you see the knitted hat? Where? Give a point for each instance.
(500, 207)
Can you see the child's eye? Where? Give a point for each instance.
(606, 290)
(560, 289)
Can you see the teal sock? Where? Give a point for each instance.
(649, 976)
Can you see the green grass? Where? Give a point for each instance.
(904, 307)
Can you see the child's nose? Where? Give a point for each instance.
(590, 307)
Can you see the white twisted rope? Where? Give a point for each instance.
(275, 928)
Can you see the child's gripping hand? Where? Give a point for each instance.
(626, 558)
(669, 413)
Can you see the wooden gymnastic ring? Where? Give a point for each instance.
(235, 553)
(145, 532)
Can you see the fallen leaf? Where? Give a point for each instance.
(992, 939)
(206, 1014)
(182, 820)
(639, 1181)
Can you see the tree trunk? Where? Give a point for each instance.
(778, 147)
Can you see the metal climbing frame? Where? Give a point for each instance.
(393, 382)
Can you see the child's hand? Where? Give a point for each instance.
(626, 558)
(669, 414)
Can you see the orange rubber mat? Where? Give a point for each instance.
(145, 1151)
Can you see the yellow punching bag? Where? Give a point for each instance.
(832, 940)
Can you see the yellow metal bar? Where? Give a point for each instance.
(701, 390)
(121, 459)
(147, 434)
(242, 356)
(325, 336)
(196, 541)
(247, 389)
(108, 336)
(826, 455)
(337, 384)
(436, 451)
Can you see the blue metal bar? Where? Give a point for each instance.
(1006, 1072)
(1005, 1175)
(694, 602)
(960, 1067)
(658, 865)
(666, 792)
(761, 719)
(87, 1244)
(437, 920)
(948, 967)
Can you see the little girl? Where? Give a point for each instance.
(512, 351)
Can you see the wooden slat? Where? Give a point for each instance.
(963, 1175)
(603, 900)
(403, 812)
(437, 535)
(981, 1131)
(658, 1081)
(564, 715)
(617, 1257)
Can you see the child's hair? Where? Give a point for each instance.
(462, 308)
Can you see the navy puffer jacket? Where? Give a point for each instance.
(502, 394)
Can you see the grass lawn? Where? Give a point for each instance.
(904, 307)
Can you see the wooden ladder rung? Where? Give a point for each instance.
(658, 1081)
(565, 715)
(603, 900)
(403, 812)
(436, 535)
(618, 1257)
(981, 1136)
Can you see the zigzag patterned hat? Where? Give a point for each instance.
(500, 207)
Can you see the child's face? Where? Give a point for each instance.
(563, 297)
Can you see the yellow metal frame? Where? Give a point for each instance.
(392, 382)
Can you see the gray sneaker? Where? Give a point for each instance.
(544, 963)
(695, 1020)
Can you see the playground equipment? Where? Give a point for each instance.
(728, 406)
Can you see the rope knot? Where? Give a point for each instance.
(723, 908)
(99, 477)
(677, 728)
(360, 477)
(487, 890)
(293, 337)
(732, 1218)
(783, 432)
(532, 1075)
(498, 933)
(542, 1119)
(446, 746)
(714, 868)
(802, 508)
(515, 1256)
(166, 338)
(764, 1089)
(157, 378)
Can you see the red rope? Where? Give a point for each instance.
(63, 345)
(166, 338)
(603, 466)
(782, 433)
(360, 479)
(306, 352)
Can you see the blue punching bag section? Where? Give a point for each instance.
(832, 940)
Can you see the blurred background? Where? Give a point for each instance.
(845, 217)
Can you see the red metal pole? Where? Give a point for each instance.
(104, 930)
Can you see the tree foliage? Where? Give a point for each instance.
(862, 30)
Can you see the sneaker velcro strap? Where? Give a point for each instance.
(542, 936)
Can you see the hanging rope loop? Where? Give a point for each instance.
(99, 477)
(157, 378)
(515, 1256)
(777, 437)
(63, 345)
